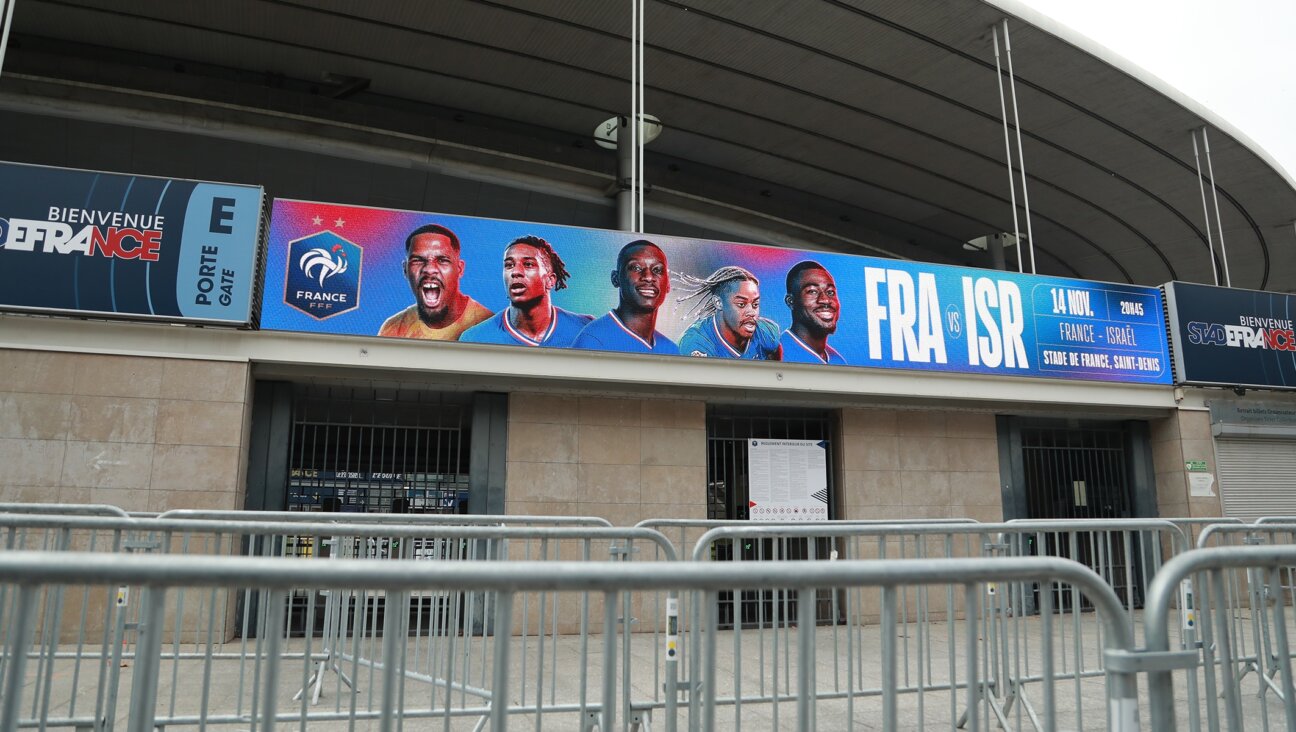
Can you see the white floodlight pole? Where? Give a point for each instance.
(1219, 223)
(1021, 154)
(1003, 113)
(1201, 186)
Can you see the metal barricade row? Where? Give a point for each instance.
(26, 578)
(338, 627)
(339, 634)
(1124, 553)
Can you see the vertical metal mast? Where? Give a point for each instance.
(635, 114)
(639, 130)
(1021, 156)
(1201, 186)
(4, 35)
(1219, 223)
(1003, 113)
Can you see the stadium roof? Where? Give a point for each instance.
(863, 126)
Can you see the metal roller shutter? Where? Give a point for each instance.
(1257, 477)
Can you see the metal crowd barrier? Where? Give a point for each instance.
(279, 667)
(684, 533)
(78, 509)
(1247, 534)
(1009, 618)
(434, 519)
(222, 633)
(1227, 670)
(1247, 599)
(1193, 527)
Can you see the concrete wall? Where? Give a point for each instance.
(632, 459)
(900, 464)
(623, 459)
(152, 434)
(1184, 435)
(145, 434)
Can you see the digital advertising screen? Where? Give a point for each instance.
(361, 271)
(85, 242)
(1230, 337)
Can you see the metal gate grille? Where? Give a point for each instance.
(1081, 472)
(729, 430)
(360, 450)
(1076, 473)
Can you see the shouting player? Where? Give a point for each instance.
(441, 312)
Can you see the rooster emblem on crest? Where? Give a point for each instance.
(328, 265)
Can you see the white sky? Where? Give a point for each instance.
(1235, 57)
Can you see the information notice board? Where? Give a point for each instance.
(787, 480)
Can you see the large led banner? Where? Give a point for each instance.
(1227, 337)
(85, 242)
(365, 271)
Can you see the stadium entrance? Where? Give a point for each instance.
(359, 448)
(1077, 472)
(730, 433)
(1081, 469)
(365, 451)
(353, 448)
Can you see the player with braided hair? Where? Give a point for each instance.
(532, 271)
(728, 325)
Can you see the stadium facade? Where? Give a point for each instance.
(868, 136)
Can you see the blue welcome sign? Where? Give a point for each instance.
(1230, 337)
(79, 241)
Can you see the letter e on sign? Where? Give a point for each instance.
(222, 214)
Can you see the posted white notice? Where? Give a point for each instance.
(787, 480)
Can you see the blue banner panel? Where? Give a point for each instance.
(84, 242)
(1227, 337)
(363, 271)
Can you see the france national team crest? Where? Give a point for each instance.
(323, 275)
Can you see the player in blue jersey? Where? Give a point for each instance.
(812, 297)
(643, 278)
(728, 322)
(532, 272)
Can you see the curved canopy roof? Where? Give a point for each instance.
(862, 125)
